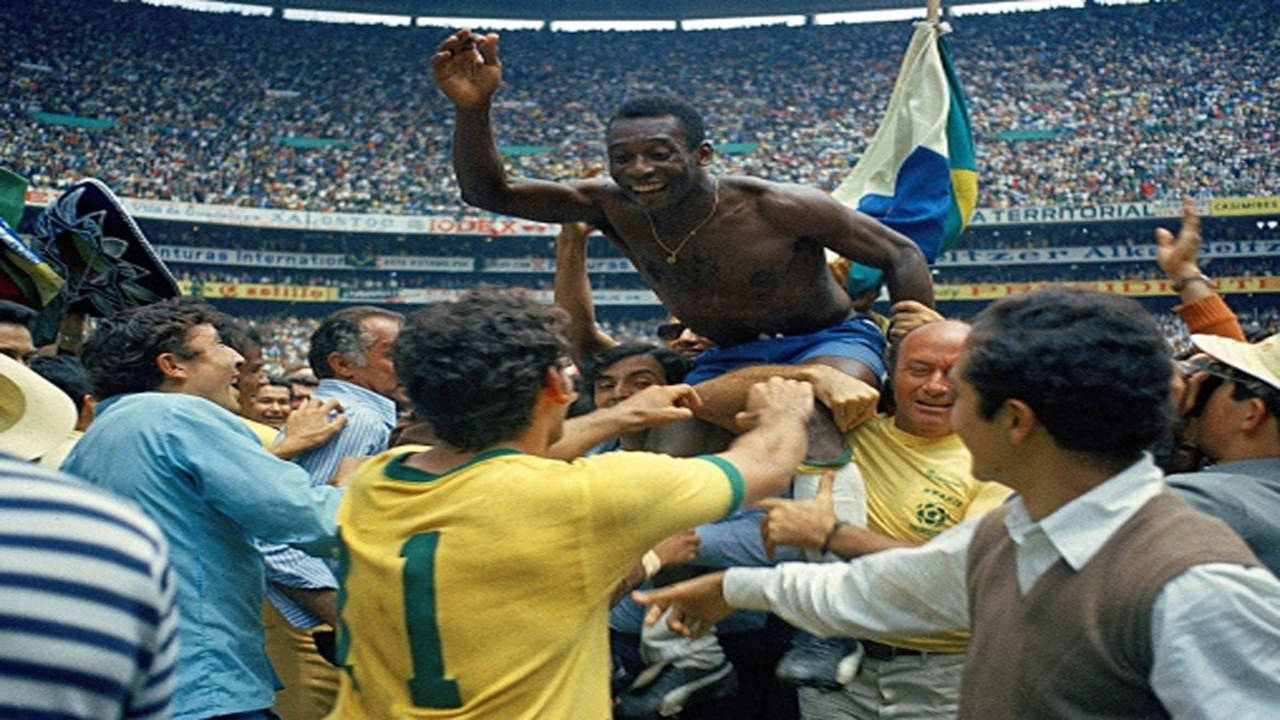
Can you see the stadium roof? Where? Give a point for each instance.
(607, 9)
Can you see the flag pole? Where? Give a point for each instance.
(933, 9)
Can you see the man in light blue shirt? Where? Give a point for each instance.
(168, 439)
(351, 354)
(1095, 591)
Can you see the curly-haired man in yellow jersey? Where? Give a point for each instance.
(476, 574)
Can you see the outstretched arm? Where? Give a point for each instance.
(895, 593)
(846, 390)
(573, 294)
(808, 212)
(468, 71)
(1202, 307)
(652, 407)
(812, 524)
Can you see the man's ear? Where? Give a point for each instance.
(554, 384)
(1019, 420)
(1255, 415)
(171, 365)
(340, 364)
(88, 408)
(704, 153)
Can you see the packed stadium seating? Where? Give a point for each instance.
(1069, 107)
(1105, 104)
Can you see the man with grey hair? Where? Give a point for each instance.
(351, 355)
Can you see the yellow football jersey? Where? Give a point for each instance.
(916, 488)
(482, 592)
(265, 433)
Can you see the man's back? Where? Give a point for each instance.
(1082, 640)
(1245, 494)
(87, 616)
(370, 417)
(505, 565)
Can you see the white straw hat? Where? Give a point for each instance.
(1261, 360)
(35, 415)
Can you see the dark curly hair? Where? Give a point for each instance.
(12, 312)
(674, 367)
(67, 372)
(240, 335)
(120, 354)
(473, 368)
(649, 106)
(1094, 368)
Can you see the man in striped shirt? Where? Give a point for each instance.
(87, 620)
(351, 354)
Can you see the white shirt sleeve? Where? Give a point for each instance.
(1215, 635)
(893, 593)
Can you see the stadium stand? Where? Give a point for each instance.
(1068, 106)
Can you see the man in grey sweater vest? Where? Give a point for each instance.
(1094, 592)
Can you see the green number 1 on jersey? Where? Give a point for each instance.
(428, 687)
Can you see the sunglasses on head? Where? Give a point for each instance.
(670, 331)
(1219, 373)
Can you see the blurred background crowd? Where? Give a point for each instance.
(1114, 103)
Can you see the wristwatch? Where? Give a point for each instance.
(1181, 283)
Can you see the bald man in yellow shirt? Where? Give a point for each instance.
(918, 480)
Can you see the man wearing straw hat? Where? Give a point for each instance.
(1237, 424)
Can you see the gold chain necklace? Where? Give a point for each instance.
(672, 252)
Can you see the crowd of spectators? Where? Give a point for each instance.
(201, 102)
(200, 111)
(962, 275)
(1080, 272)
(286, 338)
(379, 280)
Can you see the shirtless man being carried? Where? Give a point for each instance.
(739, 260)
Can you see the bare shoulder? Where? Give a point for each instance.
(803, 209)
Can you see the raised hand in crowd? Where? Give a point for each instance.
(467, 68)
(800, 523)
(1178, 256)
(850, 400)
(678, 549)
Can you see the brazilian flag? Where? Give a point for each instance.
(918, 174)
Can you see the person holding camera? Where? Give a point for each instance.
(1232, 401)
(1229, 399)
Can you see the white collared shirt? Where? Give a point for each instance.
(1215, 628)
